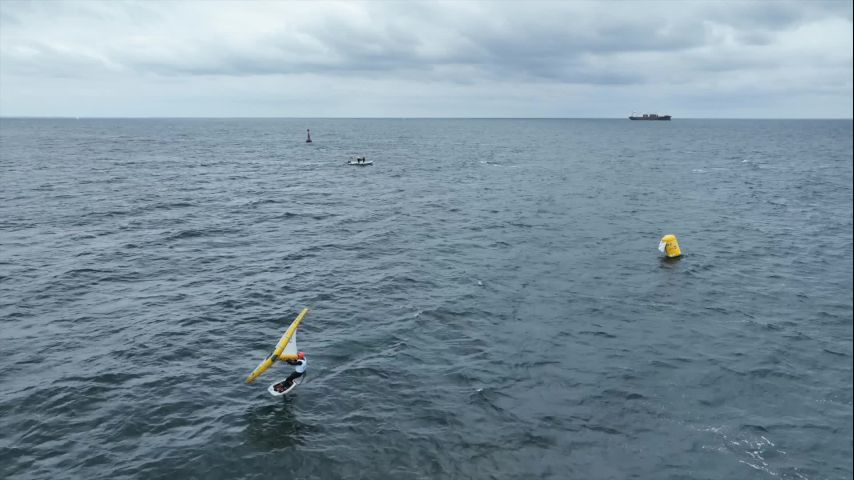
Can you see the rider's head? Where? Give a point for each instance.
(301, 355)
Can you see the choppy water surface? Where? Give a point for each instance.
(487, 299)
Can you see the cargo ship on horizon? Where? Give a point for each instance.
(649, 116)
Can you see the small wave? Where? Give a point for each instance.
(263, 201)
(601, 428)
(84, 272)
(171, 205)
(196, 233)
(597, 334)
(773, 373)
(187, 234)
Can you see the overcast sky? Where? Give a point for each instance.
(426, 59)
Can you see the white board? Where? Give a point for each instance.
(294, 384)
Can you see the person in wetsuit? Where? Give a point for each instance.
(300, 365)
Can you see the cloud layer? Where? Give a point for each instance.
(730, 59)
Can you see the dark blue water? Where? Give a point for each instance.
(487, 299)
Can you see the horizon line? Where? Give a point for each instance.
(158, 117)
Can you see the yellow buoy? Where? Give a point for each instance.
(670, 246)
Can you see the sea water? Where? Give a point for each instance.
(487, 300)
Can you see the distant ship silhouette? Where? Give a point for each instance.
(650, 116)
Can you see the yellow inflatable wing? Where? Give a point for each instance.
(278, 352)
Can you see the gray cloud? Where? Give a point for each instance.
(717, 48)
